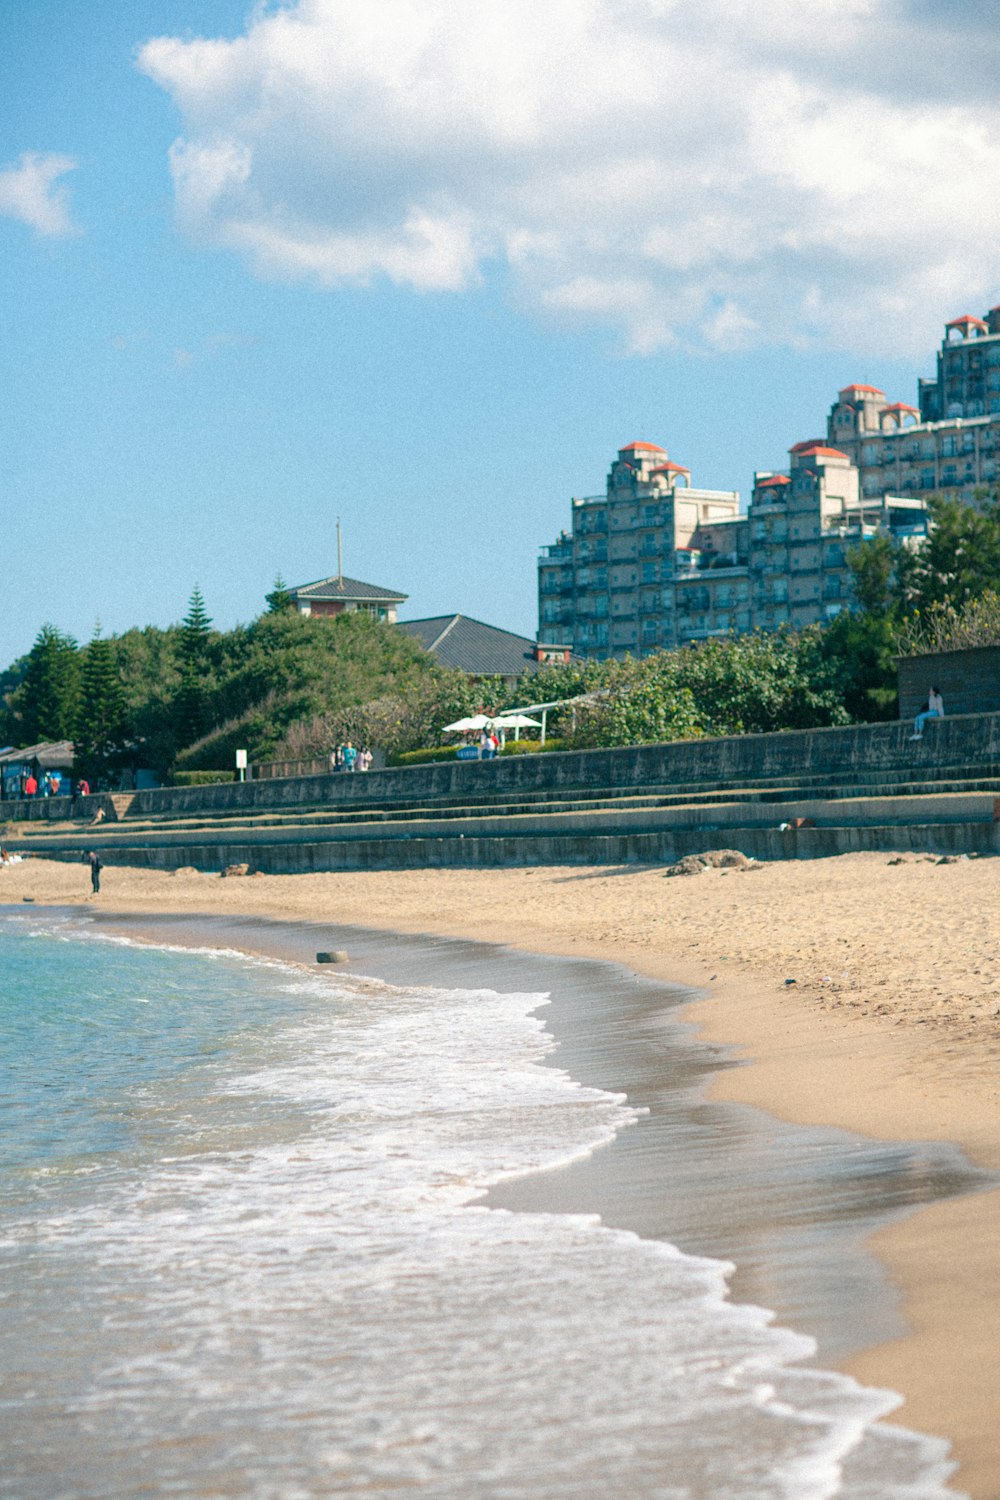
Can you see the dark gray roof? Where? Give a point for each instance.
(52, 754)
(471, 645)
(345, 588)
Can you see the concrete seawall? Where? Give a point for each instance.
(970, 741)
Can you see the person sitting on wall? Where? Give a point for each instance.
(933, 709)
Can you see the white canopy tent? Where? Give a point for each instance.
(464, 726)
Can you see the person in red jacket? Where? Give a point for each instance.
(30, 785)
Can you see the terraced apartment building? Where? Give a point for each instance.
(950, 443)
(655, 562)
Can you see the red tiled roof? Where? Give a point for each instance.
(872, 390)
(670, 468)
(964, 321)
(650, 447)
(775, 479)
(809, 443)
(902, 406)
(819, 450)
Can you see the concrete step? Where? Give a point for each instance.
(660, 847)
(547, 804)
(938, 810)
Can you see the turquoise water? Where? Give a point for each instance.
(241, 1256)
(90, 1028)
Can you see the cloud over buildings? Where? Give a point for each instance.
(31, 192)
(715, 174)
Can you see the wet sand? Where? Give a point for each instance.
(890, 1030)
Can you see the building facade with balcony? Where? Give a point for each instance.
(632, 574)
(949, 444)
(656, 563)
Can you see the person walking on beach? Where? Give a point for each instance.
(934, 709)
(94, 861)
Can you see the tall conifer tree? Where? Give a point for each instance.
(45, 704)
(192, 712)
(100, 724)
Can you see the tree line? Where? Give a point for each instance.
(287, 686)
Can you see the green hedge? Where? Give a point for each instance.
(422, 757)
(447, 752)
(530, 747)
(200, 778)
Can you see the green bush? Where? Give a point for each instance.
(201, 778)
(531, 747)
(421, 757)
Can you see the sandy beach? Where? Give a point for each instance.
(890, 1028)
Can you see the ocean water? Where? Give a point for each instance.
(241, 1256)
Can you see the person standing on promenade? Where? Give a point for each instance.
(933, 710)
(94, 860)
(30, 785)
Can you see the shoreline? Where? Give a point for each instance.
(864, 1053)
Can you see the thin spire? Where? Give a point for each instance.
(340, 557)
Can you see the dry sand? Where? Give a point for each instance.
(892, 1028)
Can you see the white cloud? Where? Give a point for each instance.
(31, 192)
(710, 172)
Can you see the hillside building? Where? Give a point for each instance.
(948, 445)
(340, 595)
(655, 563)
(481, 650)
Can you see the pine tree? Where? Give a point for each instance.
(100, 723)
(192, 702)
(196, 627)
(45, 703)
(279, 598)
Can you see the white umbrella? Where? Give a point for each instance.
(460, 726)
(517, 721)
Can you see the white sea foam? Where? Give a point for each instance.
(290, 1292)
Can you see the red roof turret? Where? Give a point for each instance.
(648, 447)
(869, 390)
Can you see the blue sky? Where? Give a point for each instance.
(425, 267)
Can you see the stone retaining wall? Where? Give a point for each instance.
(959, 742)
(969, 681)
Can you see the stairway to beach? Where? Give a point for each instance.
(803, 794)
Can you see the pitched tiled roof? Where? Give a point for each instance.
(775, 479)
(670, 468)
(872, 390)
(55, 754)
(345, 588)
(472, 646)
(818, 450)
(648, 447)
